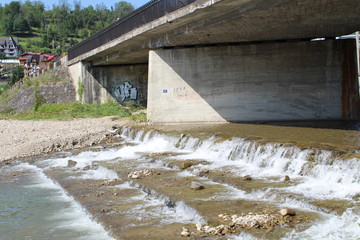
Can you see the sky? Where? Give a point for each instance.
(84, 3)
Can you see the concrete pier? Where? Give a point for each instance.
(304, 80)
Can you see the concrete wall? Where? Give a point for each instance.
(75, 71)
(124, 83)
(268, 81)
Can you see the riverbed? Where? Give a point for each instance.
(138, 185)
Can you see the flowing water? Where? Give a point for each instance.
(47, 199)
(34, 207)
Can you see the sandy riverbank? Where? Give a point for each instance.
(29, 138)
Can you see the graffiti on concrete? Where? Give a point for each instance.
(125, 92)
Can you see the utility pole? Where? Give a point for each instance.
(357, 37)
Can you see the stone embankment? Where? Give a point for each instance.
(56, 88)
(20, 139)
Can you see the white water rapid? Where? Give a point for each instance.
(317, 175)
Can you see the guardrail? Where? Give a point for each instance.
(145, 14)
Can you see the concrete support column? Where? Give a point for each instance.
(77, 77)
(254, 82)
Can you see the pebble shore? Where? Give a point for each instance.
(19, 139)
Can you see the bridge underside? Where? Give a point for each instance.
(233, 60)
(232, 21)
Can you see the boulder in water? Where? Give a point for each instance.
(196, 185)
(247, 178)
(71, 163)
(286, 178)
(287, 211)
(186, 165)
(185, 232)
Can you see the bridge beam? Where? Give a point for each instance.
(256, 82)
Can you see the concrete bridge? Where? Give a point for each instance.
(227, 60)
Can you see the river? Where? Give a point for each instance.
(89, 194)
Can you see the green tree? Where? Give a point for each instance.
(89, 17)
(1, 11)
(103, 16)
(9, 13)
(8, 25)
(32, 12)
(21, 25)
(12, 9)
(122, 9)
(17, 74)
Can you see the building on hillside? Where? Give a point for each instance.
(9, 46)
(34, 63)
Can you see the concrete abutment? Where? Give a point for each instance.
(305, 80)
(124, 83)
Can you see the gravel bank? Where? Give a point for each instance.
(29, 138)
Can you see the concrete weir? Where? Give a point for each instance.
(294, 80)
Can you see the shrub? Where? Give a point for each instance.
(38, 97)
(80, 90)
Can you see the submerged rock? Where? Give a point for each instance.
(111, 182)
(91, 167)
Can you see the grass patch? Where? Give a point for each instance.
(139, 117)
(68, 111)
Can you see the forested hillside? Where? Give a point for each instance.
(57, 29)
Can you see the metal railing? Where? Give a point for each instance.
(145, 14)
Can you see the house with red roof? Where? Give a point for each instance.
(36, 62)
